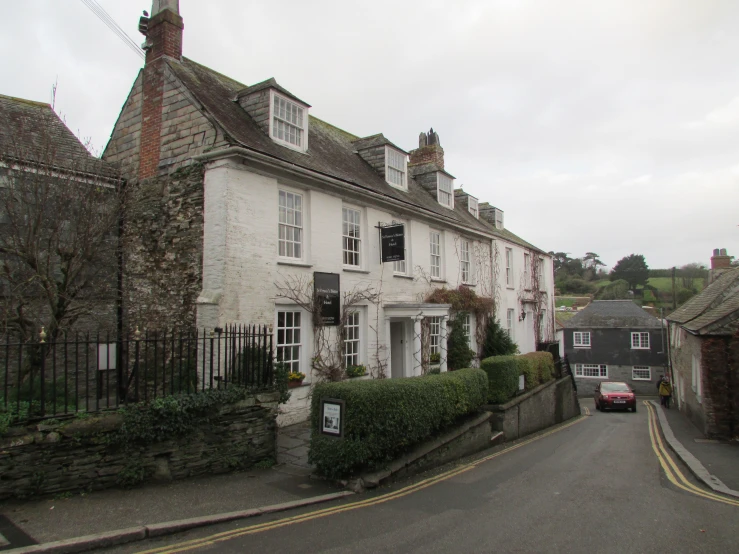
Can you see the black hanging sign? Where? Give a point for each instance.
(392, 239)
(326, 291)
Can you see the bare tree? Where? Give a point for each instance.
(59, 218)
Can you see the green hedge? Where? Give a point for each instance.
(503, 372)
(385, 417)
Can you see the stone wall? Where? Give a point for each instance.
(163, 250)
(542, 407)
(84, 454)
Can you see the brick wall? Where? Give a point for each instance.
(433, 153)
(83, 454)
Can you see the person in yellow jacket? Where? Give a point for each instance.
(665, 392)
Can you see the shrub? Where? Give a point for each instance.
(530, 371)
(498, 341)
(543, 364)
(459, 354)
(385, 417)
(502, 372)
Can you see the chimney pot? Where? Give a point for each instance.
(715, 251)
(723, 251)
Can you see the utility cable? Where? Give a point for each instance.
(103, 16)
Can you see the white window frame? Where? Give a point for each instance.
(473, 206)
(435, 335)
(349, 226)
(526, 270)
(578, 339)
(542, 323)
(465, 261)
(436, 254)
(509, 267)
(286, 331)
(540, 269)
(467, 328)
(639, 343)
(510, 319)
(697, 385)
(286, 225)
(303, 146)
(601, 369)
(353, 339)
(401, 267)
(641, 368)
(392, 159)
(443, 193)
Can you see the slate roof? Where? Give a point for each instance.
(612, 314)
(33, 132)
(331, 151)
(714, 310)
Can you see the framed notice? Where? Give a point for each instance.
(392, 241)
(332, 417)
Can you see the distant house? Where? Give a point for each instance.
(615, 340)
(704, 350)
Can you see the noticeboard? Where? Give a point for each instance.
(332, 417)
(327, 293)
(392, 239)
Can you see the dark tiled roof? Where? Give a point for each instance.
(713, 311)
(269, 83)
(331, 151)
(32, 132)
(375, 140)
(612, 314)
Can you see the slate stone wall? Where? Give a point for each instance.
(163, 251)
(83, 455)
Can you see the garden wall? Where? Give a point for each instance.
(88, 454)
(546, 405)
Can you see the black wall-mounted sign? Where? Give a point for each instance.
(326, 291)
(392, 239)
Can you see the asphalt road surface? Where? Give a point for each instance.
(601, 483)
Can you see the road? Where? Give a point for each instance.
(593, 485)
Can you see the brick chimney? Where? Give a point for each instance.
(720, 263)
(429, 150)
(163, 32)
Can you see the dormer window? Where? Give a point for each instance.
(444, 190)
(396, 168)
(289, 123)
(472, 207)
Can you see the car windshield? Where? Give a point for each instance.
(615, 387)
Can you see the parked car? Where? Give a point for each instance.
(614, 395)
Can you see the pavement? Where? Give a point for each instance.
(104, 517)
(714, 462)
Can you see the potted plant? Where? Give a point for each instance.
(295, 379)
(434, 363)
(356, 371)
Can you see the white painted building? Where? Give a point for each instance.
(286, 195)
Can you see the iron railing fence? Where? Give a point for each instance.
(88, 373)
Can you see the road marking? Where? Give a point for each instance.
(235, 533)
(587, 410)
(673, 472)
(3, 540)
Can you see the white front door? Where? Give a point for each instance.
(397, 349)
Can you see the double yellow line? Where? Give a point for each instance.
(673, 473)
(267, 526)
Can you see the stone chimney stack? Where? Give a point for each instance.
(720, 263)
(163, 32)
(429, 150)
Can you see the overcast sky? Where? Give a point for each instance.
(609, 126)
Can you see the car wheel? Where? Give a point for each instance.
(597, 406)
(634, 408)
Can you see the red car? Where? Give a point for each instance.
(614, 395)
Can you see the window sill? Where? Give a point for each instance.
(297, 263)
(437, 280)
(639, 348)
(400, 276)
(509, 287)
(581, 347)
(469, 284)
(354, 269)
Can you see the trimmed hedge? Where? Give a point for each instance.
(503, 372)
(385, 417)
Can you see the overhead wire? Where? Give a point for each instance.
(103, 16)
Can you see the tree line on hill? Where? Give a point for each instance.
(629, 278)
